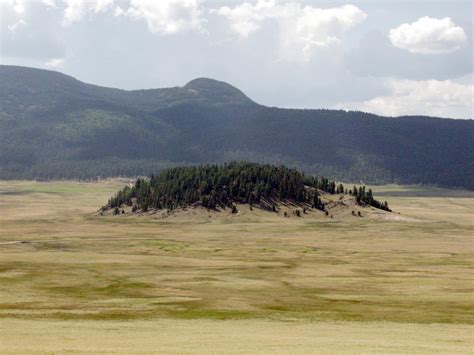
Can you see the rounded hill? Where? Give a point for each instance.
(216, 91)
(226, 186)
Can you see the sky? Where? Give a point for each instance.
(387, 57)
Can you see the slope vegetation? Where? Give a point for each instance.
(54, 126)
(227, 186)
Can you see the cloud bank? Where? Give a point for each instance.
(302, 29)
(55, 63)
(444, 98)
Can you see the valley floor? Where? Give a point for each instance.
(204, 336)
(257, 282)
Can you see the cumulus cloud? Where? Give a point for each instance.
(165, 16)
(55, 63)
(302, 28)
(428, 36)
(76, 9)
(246, 18)
(444, 98)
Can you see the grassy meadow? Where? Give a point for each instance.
(71, 280)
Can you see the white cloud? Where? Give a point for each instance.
(18, 6)
(428, 36)
(55, 63)
(166, 16)
(246, 18)
(17, 25)
(444, 98)
(118, 11)
(50, 3)
(302, 28)
(76, 9)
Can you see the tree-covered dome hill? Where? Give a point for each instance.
(224, 186)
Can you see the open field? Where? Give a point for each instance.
(74, 281)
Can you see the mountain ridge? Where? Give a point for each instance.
(217, 84)
(55, 126)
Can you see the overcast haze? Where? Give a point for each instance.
(390, 58)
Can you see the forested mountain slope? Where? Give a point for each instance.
(54, 126)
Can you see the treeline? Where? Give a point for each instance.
(214, 186)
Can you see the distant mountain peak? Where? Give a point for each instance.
(206, 82)
(216, 91)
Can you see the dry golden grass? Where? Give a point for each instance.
(74, 281)
(203, 336)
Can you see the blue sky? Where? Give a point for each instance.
(387, 57)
